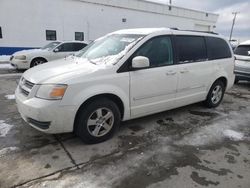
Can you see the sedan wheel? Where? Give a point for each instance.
(37, 61)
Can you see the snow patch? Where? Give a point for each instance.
(4, 128)
(6, 66)
(4, 58)
(233, 135)
(7, 150)
(216, 132)
(10, 97)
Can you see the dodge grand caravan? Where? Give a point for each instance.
(125, 75)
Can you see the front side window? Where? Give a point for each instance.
(217, 48)
(79, 36)
(50, 35)
(158, 51)
(109, 49)
(191, 49)
(243, 50)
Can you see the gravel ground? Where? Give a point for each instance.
(187, 147)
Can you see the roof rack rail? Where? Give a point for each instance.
(210, 32)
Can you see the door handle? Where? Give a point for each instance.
(184, 71)
(170, 73)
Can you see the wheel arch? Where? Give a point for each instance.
(117, 100)
(39, 57)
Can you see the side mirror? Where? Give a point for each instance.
(140, 62)
(56, 50)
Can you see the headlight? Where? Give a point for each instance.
(51, 92)
(20, 57)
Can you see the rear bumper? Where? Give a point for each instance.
(242, 75)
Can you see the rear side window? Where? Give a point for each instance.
(191, 49)
(78, 46)
(66, 47)
(243, 50)
(217, 48)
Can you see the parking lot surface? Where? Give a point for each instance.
(187, 147)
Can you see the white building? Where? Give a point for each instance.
(33, 23)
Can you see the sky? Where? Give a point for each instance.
(224, 8)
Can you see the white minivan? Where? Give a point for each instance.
(125, 75)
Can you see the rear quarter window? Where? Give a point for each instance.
(217, 48)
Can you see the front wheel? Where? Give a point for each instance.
(37, 61)
(97, 121)
(215, 94)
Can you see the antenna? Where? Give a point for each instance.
(235, 14)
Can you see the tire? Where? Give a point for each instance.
(215, 94)
(37, 61)
(236, 81)
(97, 121)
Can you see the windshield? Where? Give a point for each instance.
(109, 49)
(243, 50)
(50, 46)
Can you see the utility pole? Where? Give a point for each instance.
(235, 14)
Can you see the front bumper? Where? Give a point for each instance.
(20, 64)
(45, 115)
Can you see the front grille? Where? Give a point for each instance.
(29, 84)
(25, 87)
(24, 92)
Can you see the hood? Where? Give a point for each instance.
(25, 52)
(61, 71)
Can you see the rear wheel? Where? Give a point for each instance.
(215, 94)
(37, 61)
(97, 121)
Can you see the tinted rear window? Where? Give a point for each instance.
(79, 46)
(191, 48)
(243, 50)
(217, 48)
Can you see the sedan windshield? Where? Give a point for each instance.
(243, 50)
(50, 46)
(109, 49)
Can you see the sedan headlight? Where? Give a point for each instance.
(51, 92)
(20, 57)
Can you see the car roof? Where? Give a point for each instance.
(245, 43)
(83, 42)
(148, 31)
(140, 31)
